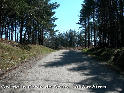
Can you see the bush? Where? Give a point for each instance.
(112, 56)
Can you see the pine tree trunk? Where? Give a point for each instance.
(0, 25)
(15, 31)
(12, 30)
(88, 34)
(21, 29)
(17, 37)
(94, 28)
(1, 35)
(9, 35)
(6, 33)
(85, 35)
(121, 22)
(42, 36)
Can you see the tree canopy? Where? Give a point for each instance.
(26, 20)
(103, 23)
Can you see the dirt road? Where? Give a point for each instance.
(64, 71)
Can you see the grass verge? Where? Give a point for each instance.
(113, 57)
(12, 53)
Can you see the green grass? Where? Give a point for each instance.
(12, 53)
(111, 56)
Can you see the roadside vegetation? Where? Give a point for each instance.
(24, 25)
(102, 23)
(12, 53)
(113, 57)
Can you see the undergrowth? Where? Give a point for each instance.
(12, 53)
(113, 57)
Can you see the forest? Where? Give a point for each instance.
(37, 55)
(26, 21)
(102, 22)
(33, 22)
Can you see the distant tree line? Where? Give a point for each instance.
(102, 22)
(26, 21)
(70, 38)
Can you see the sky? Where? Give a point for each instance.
(67, 14)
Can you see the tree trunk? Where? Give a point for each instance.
(15, 31)
(12, 30)
(1, 35)
(42, 36)
(17, 37)
(0, 24)
(121, 22)
(85, 35)
(6, 32)
(21, 29)
(88, 34)
(94, 28)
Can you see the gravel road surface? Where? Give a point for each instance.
(64, 71)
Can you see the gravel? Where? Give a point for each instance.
(63, 71)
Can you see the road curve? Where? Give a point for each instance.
(64, 71)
